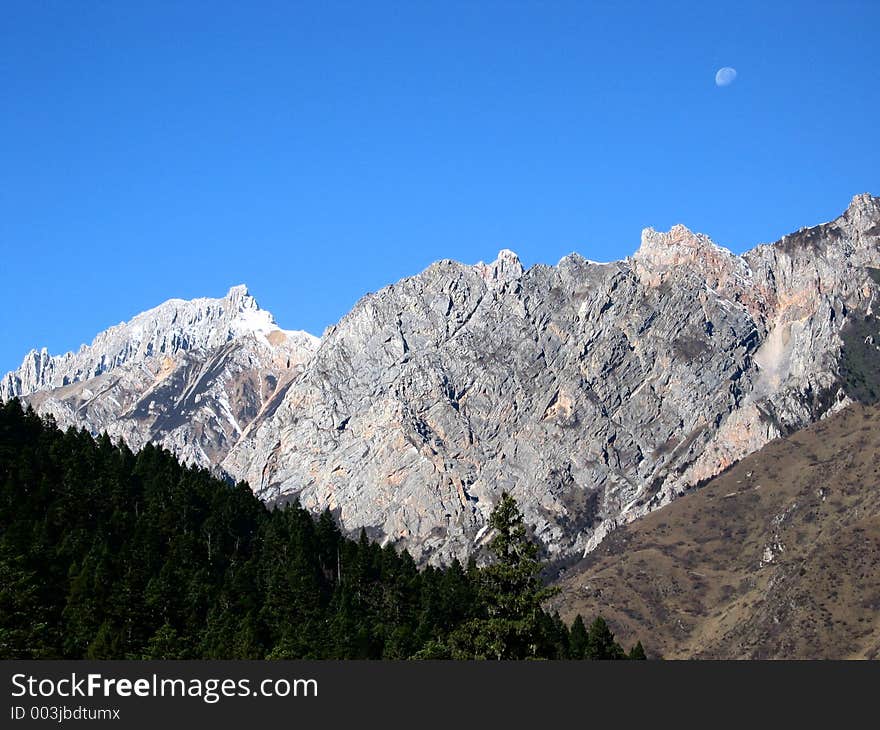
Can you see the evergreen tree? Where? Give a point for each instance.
(164, 644)
(108, 554)
(511, 592)
(24, 631)
(577, 640)
(601, 643)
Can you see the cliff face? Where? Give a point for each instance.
(594, 393)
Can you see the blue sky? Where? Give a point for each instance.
(317, 151)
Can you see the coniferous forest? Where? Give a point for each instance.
(108, 554)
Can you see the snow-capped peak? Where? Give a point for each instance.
(175, 325)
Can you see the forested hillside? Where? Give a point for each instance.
(109, 554)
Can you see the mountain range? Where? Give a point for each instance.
(594, 393)
(187, 375)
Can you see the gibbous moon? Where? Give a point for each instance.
(725, 76)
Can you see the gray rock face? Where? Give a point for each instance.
(188, 375)
(593, 393)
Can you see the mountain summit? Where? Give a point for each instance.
(162, 332)
(189, 375)
(506, 267)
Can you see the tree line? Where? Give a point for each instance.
(110, 554)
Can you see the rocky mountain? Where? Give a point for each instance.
(189, 375)
(594, 393)
(779, 557)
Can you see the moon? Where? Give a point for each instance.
(725, 76)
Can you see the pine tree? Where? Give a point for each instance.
(600, 642)
(577, 639)
(164, 644)
(511, 591)
(637, 652)
(109, 554)
(24, 629)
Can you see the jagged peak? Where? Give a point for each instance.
(678, 245)
(173, 326)
(575, 258)
(863, 200)
(239, 296)
(861, 216)
(863, 208)
(505, 254)
(678, 236)
(506, 267)
(663, 253)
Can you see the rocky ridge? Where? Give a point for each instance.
(594, 393)
(188, 375)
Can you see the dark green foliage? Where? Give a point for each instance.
(23, 629)
(109, 554)
(577, 640)
(601, 643)
(637, 652)
(511, 623)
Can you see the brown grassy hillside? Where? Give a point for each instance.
(777, 558)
